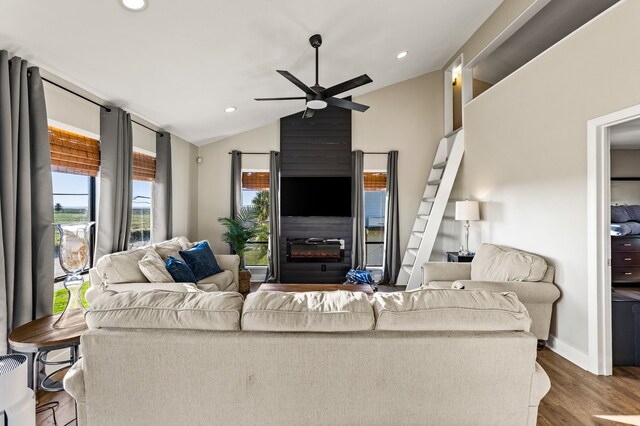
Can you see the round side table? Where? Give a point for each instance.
(37, 338)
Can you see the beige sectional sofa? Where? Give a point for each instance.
(499, 269)
(121, 271)
(440, 357)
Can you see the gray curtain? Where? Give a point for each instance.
(162, 190)
(359, 247)
(26, 200)
(274, 217)
(236, 183)
(114, 202)
(392, 257)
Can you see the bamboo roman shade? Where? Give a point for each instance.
(375, 181)
(144, 167)
(255, 181)
(73, 153)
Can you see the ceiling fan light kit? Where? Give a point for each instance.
(318, 97)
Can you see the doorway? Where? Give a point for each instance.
(599, 198)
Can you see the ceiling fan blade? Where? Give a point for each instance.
(346, 85)
(279, 99)
(343, 103)
(306, 89)
(308, 113)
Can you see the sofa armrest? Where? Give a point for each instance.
(527, 292)
(445, 271)
(73, 383)
(230, 262)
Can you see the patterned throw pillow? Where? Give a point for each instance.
(201, 261)
(180, 271)
(153, 267)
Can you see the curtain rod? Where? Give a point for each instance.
(97, 104)
(376, 153)
(254, 153)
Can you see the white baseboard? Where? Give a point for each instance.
(568, 352)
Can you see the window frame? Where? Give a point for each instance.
(383, 242)
(258, 242)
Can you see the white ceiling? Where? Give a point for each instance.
(178, 64)
(625, 135)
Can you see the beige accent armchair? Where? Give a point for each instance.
(538, 297)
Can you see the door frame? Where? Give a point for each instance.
(599, 238)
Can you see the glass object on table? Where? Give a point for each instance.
(74, 256)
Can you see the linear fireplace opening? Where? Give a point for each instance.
(315, 250)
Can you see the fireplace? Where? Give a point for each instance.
(315, 250)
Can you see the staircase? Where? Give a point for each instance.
(431, 210)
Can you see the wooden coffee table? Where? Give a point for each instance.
(38, 337)
(300, 288)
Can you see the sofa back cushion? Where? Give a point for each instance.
(193, 310)
(325, 311)
(153, 267)
(501, 263)
(466, 310)
(171, 248)
(122, 267)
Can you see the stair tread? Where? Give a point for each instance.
(407, 268)
(417, 233)
(412, 251)
(423, 216)
(429, 199)
(434, 182)
(440, 165)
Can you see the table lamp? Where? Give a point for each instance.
(467, 211)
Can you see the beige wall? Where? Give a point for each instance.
(75, 114)
(526, 153)
(406, 117)
(214, 177)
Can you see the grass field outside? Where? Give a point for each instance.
(60, 296)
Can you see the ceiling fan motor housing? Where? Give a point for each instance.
(315, 41)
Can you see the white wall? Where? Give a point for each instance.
(185, 188)
(214, 177)
(526, 152)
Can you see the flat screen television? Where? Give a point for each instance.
(315, 196)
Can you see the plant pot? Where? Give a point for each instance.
(244, 283)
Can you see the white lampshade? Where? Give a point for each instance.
(467, 210)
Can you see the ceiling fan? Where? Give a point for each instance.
(316, 96)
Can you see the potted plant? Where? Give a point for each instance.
(240, 230)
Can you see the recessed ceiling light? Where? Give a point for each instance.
(134, 5)
(402, 54)
(230, 109)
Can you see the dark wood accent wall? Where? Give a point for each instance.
(317, 146)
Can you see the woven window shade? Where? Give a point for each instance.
(73, 153)
(375, 181)
(255, 181)
(144, 167)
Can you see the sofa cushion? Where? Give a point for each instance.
(327, 311)
(222, 281)
(201, 261)
(122, 267)
(166, 309)
(153, 267)
(170, 248)
(501, 263)
(450, 310)
(180, 271)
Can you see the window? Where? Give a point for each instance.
(144, 174)
(75, 161)
(375, 194)
(255, 192)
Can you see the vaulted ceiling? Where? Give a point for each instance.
(179, 64)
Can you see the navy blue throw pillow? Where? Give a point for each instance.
(180, 271)
(201, 261)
